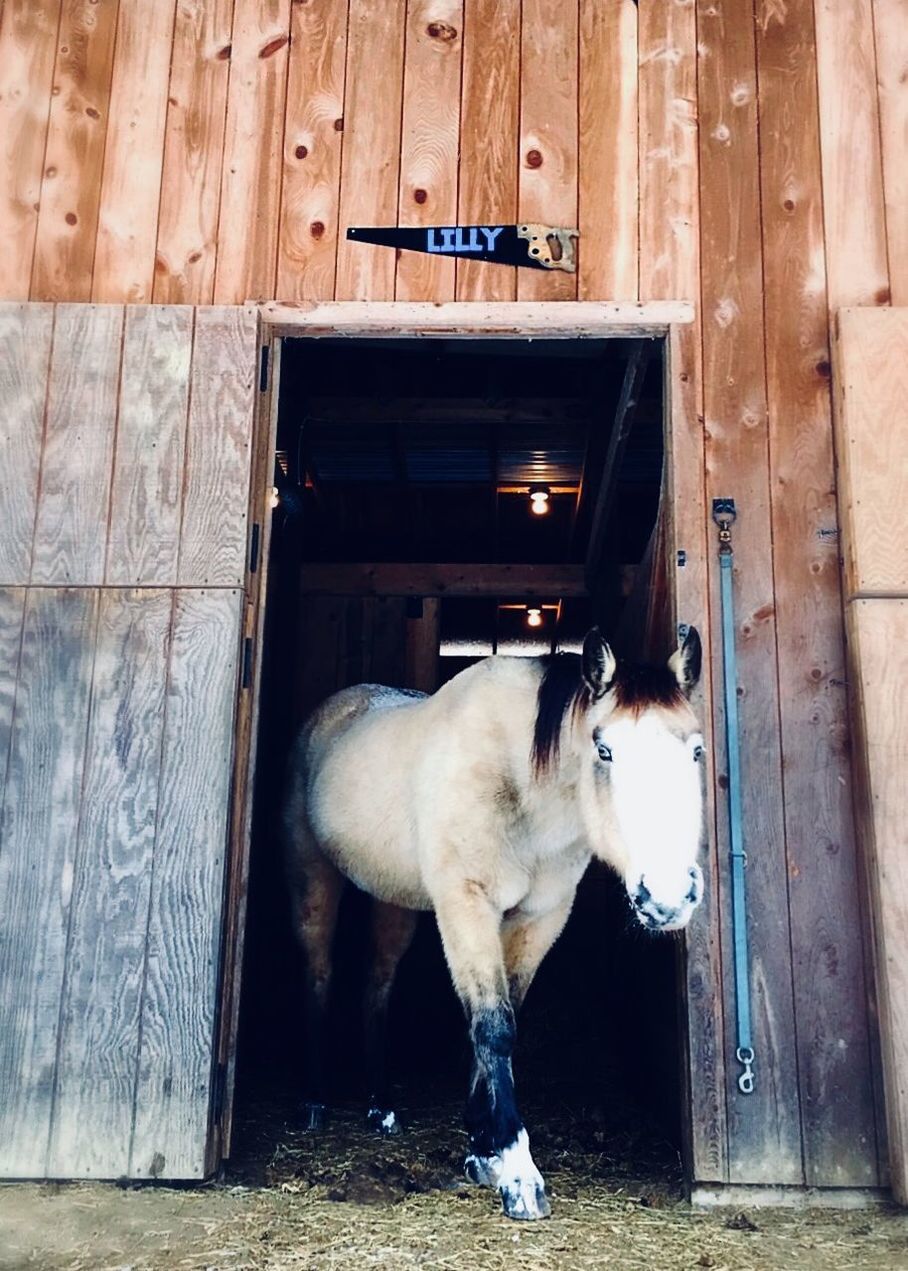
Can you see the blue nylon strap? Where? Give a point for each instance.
(745, 1053)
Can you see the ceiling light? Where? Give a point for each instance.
(534, 617)
(539, 499)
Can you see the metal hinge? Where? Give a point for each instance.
(263, 370)
(254, 538)
(247, 662)
(219, 1092)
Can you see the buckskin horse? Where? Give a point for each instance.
(484, 803)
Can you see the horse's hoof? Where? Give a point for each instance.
(525, 1200)
(483, 1170)
(314, 1116)
(383, 1122)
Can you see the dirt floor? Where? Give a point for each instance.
(347, 1200)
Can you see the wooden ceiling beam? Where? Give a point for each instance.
(406, 579)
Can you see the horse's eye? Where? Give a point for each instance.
(698, 753)
(605, 753)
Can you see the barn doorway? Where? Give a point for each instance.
(406, 544)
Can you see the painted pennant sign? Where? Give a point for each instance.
(538, 246)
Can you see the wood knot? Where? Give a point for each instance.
(273, 45)
(824, 369)
(71, 218)
(441, 31)
(534, 159)
(789, 205)
(339, 124)
(50, 172)
(419, 196)
(316, 229)
(223, 55)
(883, 296)
(194, 258)
(92, 113)
(301, 152)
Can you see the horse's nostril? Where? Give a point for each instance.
(693, 871)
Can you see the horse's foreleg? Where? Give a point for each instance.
(316, 890)
(526, 940)
(392, 933)
(499, 1147)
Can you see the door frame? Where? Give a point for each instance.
(703, 1076)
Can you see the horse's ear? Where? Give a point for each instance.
(686, 661)
(598, 664)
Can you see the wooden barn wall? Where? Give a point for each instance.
(747, 155)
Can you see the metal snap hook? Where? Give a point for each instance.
(745, 1056)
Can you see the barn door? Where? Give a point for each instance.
(126, 436)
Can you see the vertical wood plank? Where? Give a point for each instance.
(423, 636)
(877, 643)
(26, 332)
(669, 248)
(28, 46)
(253, 142)
(429, 144)
(313, 135)
(607, 201)
(890, 24)
(193, 149)
(134, 154)
(871, 362)
(179, 1001)
(144, 533)
(764, 1127)
(40, 816)
(74, 497)
(834, 1060)
(489, 137)
(99, 1020)
(71, 184)
(857, 271)
(548, 134)
(371, 149)
(218, 449)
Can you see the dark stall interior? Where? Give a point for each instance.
(431, 453)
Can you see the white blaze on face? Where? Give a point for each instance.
(653, 783)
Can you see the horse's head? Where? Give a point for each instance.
(637, 747)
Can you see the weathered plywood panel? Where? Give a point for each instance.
(77, 129)
(548, 134)
(123, 267)
(251, 172)
(857, 270)
(608, 196)
(489, 124)
(371, 151)
(25, 341)
(764, 1127)
(218, 449)
(429, 140)
(145, 509)
(28, 45)
(74, 499)
(193, 150)
(98, 1041)
(313, 137)
(179, 1004)
(878, 673)
(12, 611)
(890, 24)
(40, 819)
(871, 388)
(834, 1063)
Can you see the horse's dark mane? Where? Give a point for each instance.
(636, 686)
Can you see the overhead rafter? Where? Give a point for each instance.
(415, 579)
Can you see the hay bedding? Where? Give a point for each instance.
(346, 1202)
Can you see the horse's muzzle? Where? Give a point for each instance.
(658, 916)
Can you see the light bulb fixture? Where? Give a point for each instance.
(534, 617)
(274, 497)
(539, 499)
